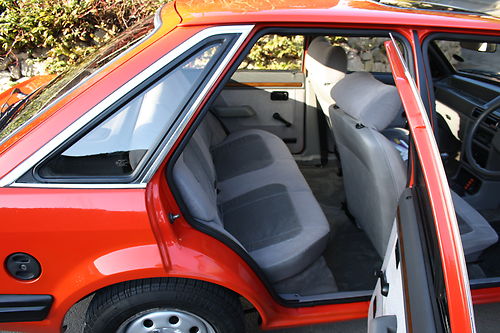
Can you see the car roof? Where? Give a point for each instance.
(195, 12)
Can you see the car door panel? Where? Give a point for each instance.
(386, 312)
(450, 304)
(269, 100)
(404, 298)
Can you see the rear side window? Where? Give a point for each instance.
(275, 52)
(119, 145)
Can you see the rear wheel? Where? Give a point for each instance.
(164, 305)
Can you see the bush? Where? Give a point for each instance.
(275, 52)
(65, 30)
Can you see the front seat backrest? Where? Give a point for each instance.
(326, 65)
(374, 173)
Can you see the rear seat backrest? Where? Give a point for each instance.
(194, 174)
(265, 205)
(211, 131)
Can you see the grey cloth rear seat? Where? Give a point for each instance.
(248, 186)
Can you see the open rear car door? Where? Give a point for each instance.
(423, 284)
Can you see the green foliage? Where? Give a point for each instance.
(66, 30)
(276, 52)
(273, 52)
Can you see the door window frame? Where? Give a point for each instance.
(23, 175)
(335, 298)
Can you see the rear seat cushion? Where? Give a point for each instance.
(283, 231)
(248, 186)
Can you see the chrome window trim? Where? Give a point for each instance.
(243, 30)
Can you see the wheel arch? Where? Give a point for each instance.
(81, 305)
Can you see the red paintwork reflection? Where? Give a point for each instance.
(10, 96)
(84, 240)
(320, 11)
(486, 295)
(119, 261)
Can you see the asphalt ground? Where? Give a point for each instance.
(486, 316)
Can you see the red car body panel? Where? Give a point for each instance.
(105, 236)
(321, 11)
(95, 238)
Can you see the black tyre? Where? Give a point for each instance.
(162, 304)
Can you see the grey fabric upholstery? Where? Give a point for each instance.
(369, 101)
(374, 177)
(476, 233)
(374, 164)
(374, 173)
(248, 186)
(326, 65)
(322, 52)
(194, 172)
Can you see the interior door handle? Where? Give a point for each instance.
(279, 96)
(278, 117)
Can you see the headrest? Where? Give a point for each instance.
(368, 100)
(326, 60)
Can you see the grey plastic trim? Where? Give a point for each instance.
(243, 30)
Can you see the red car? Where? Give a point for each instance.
(274, 155)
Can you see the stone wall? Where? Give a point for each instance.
(366, 54)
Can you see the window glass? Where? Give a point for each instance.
(473, 57)
(274, 52)
(364, 54)
(73, 76)
(117, 146)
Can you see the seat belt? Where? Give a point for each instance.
(323, 137)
